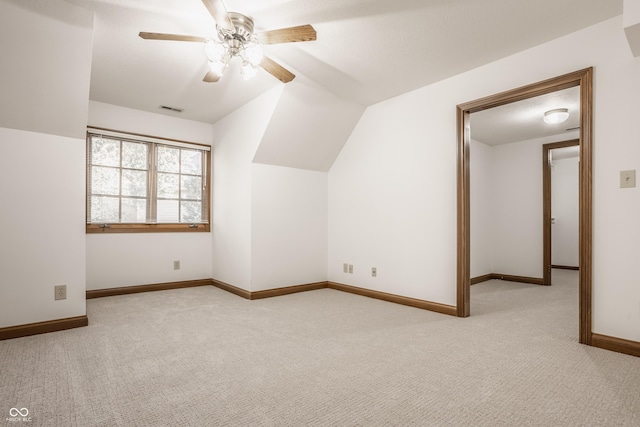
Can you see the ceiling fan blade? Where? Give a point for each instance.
(277, 70)
(219, 13)
(175, 37)
(211, 77)
(302, 33)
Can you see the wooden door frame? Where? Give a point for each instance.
(546, 205)
(583, 79)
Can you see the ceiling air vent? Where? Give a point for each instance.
(177, 110)
(575, 128)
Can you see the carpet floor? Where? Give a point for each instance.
(204, 357)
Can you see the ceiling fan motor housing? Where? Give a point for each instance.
(243, 28)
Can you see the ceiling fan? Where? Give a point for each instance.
(237, 39)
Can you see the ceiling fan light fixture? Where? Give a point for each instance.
(248, 70)
(553, 117)
(235, 37)
(218, 67)
(215, 51)
(253, 53)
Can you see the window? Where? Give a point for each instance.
(146, 184)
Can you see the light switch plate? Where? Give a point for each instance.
(627, 179)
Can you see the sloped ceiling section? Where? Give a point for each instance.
(308, 128)
(631, 22)
(46, 64)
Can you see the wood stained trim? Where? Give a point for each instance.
(586, 203)
(618, 345)
(411, 302)
(43, 327)
(147, 228)
(230, 288)
(268, 293)
(565, 267)
(584, 79)
(463, 215)
(508, 278)
(520, 279)
(483, 278)
(397, 299)
(109, 292)
(97, 129)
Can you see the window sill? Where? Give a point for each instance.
(147, 228)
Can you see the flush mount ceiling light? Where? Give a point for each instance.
(553, 117)
(235, 38)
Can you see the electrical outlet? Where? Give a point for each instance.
(350, 268)
(374, 272)
(60, 292)
(345, 268)
(176, 265)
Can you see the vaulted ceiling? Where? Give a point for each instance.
(366, 51)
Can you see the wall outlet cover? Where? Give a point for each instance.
(60, 292)
(628, 179)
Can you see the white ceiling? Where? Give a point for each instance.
(522, 120)
(367, 50)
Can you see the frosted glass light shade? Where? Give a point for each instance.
(553, 117)
(215, 51)
(248, 71)
(253, 53)
(218, 67)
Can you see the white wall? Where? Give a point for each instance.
(565, 210)
(506, 207)
(517, 209)
(392, 199)
(123, 259)
(236, 137)
(631, 24)
(46, 66)
(43, 116)
(481, 209)
(392, 189)
(289, 227)
(299, 134)
(42, 221)
(129, 120)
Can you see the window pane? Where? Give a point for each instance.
(134, 183)
(190, 212)
(191, 162)
(105, 152)
(105, 209)
(168, 159)
(168, 211)
(191, 187)
(168, 186)
(134, 155)
(134, 210)
(142, 182)
(105, 180)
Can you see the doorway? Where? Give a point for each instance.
(549, 219)
(583, 79)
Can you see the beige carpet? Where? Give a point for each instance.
(203, 357)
